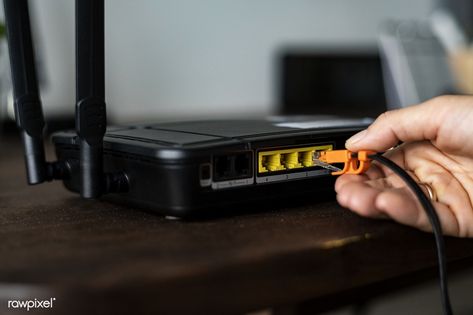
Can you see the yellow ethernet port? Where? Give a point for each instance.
(288, 159)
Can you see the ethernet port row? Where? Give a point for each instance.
(288, 159)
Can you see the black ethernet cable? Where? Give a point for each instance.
(434, 222)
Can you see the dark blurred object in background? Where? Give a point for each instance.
(462, 10)
(332, 81)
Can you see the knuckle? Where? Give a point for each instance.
(441, 101)
(383, 119)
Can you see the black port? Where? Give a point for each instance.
(223, 167)
(242, 164)
(232, 166)
(205, 172)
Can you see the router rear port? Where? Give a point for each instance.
(205, 172)
(232, 166)
(293, 159)
(274, 162)
(223, 167)
(306, 158)
(243, 164)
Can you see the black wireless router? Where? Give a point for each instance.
(177, 169)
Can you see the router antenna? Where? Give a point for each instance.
(28, 111)
(91, 119)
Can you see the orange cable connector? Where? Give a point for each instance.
(354, 162)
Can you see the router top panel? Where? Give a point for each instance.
(251, 128)
(195, 134)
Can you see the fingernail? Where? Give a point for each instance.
(356, 138)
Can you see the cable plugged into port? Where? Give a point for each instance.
(288, 159)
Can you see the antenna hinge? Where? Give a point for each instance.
(91, 120)
(29, 115)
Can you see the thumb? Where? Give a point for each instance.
(414, 123)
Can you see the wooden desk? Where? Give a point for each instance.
(94, 256)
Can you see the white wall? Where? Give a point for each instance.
(168, 58)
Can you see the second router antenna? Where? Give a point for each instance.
(91, 117)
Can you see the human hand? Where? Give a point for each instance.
(437, 149)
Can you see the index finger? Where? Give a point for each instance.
(414, 123)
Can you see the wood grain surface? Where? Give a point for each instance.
(96, 257)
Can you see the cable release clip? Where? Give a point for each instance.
(354, 162)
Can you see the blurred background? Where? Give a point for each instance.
(182, 59)
(178, 59)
